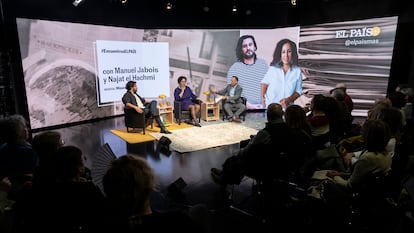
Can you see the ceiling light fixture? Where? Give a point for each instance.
(206, 8)
(169, 6)
(293, 2)
(234, 9)
(77, 2)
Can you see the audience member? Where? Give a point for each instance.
(398, 101)
(231, 95)
(295, 118)
(375, 160)
(6, 206)
(392, 117)
(336, 120)
(46, 144)
(254, 160)
(348, 100)
(319, 122)
(189, 101)
(249, 69)
(409, 97)
(374, 112)
(71, 204)
(283, 81)
(18, 160)
(346, 115)
(338, 190)
(128, 184)
(134, 101)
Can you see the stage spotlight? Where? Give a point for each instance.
(293, 2)
(206, 8)
(77, 2)
(234, 9)
(169, 6)
(123, 2)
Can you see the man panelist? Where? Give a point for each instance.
(133, 101)
(232, 102)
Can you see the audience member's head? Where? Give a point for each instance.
(338, 94)
(318, 103)
(46, 144)
(341, 85)
(393, 118)
(69, 163)
(376, 135)
(397, 99)
(14, 129)
(295, 117)
(375, 111)
(274, 112)
(128, 184)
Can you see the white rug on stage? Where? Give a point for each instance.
(199, 138)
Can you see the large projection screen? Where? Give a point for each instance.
(61, 68)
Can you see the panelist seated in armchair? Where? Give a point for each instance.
(188, 99)
(233, 103)
(132, 100)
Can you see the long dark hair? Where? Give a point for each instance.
(277, 54)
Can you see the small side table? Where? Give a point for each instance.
(210, 111)
(166, 113)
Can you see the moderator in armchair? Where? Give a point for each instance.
(242, 116)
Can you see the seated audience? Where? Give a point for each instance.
(270, 154)
(360, 190)
(295, 118)
(319, 122)
(134, 101)
(188, 99)
(344, 112)
(348, 100)
(70, 204)
(375, 158)
(398, 101)
(128, 184)
(408, 91)
(336, 119)
(231, 95)
(46, 144)
(18, 160)
(392, 117)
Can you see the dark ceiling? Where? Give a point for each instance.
(191, 14)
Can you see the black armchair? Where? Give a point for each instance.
(134, 120)
(242, 116)
(181, 115)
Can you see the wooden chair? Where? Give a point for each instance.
(242, 116)
(134, 120)
(181, 115)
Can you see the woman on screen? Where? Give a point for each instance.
(282, 83)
